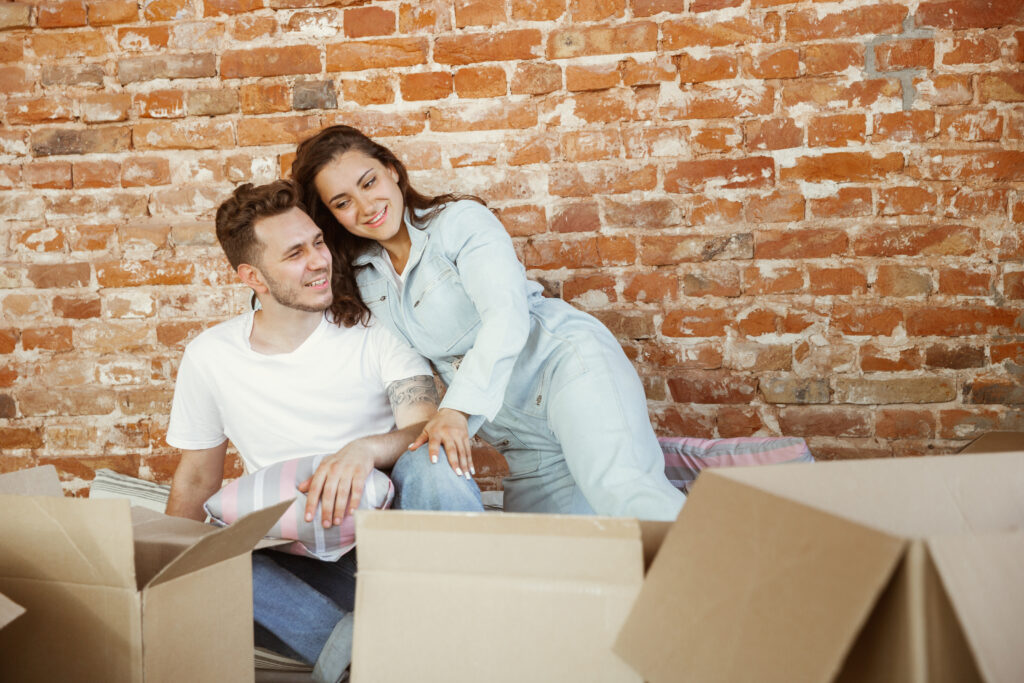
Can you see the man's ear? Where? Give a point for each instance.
(251, 278)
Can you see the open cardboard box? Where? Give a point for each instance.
(115, 593)
(900, 570)
(905, 569)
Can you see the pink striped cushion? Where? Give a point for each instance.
(685, 457)
(279, 482)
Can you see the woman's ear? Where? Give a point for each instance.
(251, 278)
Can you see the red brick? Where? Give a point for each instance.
(61, 14)
(537, 10)
(605, 106)
(843, 167)
(591, 77)
(362, 22)
(698, 322)
(384, 53)
(150, 67)
(972, 50)
(379, 124)
(547, 254)
(915, 240)
(487, 47)
(972, 167)
(654, 287)
(904, 423)
(479, 13)
(649, 72)
(59, 275)
(168, 10)
(712, 211)
(48, 338)
(839, 95)
(965, 281)
(533, 78)
(271, 61)
(831, 281)
(590, 291)
(596, 10)
(145, 171)
(191, 134)
(105, 107)
(910, 200)
(972, 125)
(771, 280)
(704, 102)
(89, 174)
(586, 180)
(51, 175)
(77, 307)
(531, 148)
(1003, 87)
(1019, 35)
(831, 58)
(712, 387)
(641, 214)
(1013, 285)
(118, 274)
(905, 126)
(265, 98)
(576, 217)
(109, 12)
(251, 27)
(958, 321)
(10, 176)
(955, 356)
(590, 145)
(994, 390)
(963, 202)
(722, 280)
(807, 25)
(898, 280)
(426, 85)
(806, 243)
(143, 38)
(716, 67)
(967, 423)
(772, 134)
(672, 421)
(85, 43)
(779, 207)
(838, 130)
(738, 422)
(42, 239)
(716, 138)
(697, 176)
(895, 55)
(8, 340)
(647, 8)
(370, 90)
(25, 110)
(627, 38)
(1013, 352)
(215, 7)
(15, 438)
(160, 104)
(683, 33)
(15, 15)
(422, 18)
(847, 202)
(523, 220)
(963, 14)
(824, 421)
(494, 116)
(889, 359)
(775, 63)
(944, 89)
(860, 319)
(483, 81)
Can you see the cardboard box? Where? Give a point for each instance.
(903, 570)
(486, 597)
(114, 593)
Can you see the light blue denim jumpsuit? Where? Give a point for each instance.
(545, 384)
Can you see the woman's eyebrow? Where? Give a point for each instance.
(358, 182)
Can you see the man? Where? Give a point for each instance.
(285, 381)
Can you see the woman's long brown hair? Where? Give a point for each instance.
(312, 156)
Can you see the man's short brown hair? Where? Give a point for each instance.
(237, 216)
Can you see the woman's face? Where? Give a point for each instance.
(364, 197)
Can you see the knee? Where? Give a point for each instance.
(421, 484)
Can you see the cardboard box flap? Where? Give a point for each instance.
(746, 581)
(35, 481)
(996, 442)
(982, 577)
(75, 541)
(912, 497)
(222, 544)
(9, 610)
(546, 547)
(160, 538)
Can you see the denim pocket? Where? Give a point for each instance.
(441, 306)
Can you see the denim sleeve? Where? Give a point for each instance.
(476, 242)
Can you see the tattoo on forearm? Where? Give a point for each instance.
(419, 389)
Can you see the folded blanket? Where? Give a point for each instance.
(685, 457)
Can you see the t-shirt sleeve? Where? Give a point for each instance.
(195, 421)
(395, 359)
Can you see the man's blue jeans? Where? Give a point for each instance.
(298, 601)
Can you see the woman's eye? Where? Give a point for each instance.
(370, 182)
(341, 205)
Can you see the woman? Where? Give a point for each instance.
(545, 384)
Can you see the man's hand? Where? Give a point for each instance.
(448, 428)
(338, 484)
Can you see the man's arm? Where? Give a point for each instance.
(338, 482)
(198, 476)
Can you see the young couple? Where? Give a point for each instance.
(312, 371)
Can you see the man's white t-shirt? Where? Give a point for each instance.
(314, 400)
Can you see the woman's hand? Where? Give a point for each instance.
(448, 428)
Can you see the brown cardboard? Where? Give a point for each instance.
(115, 594)
(905, 569)
(482, 597)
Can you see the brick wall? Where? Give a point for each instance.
(799, 218)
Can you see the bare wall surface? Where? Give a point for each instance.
(798, 218)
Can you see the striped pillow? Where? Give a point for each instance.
(279, 482)
(685, 457)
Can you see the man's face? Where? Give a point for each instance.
(295, 264)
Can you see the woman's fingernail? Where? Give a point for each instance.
(309, 518)
(433, 459)
(458, 471)
(467, 476)
(411, 445)
(472, 470)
